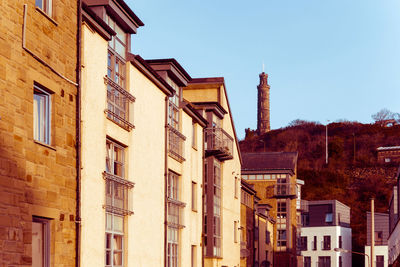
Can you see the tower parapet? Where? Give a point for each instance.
(263, 123)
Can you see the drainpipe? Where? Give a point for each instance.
(78, 137)
(203, 201)
(165, 181)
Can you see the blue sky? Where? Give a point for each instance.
(326, 60)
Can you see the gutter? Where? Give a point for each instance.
(78, 137)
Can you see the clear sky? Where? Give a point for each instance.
(326, 60)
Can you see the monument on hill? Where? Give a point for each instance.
(263, 125)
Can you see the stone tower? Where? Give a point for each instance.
(263, 105)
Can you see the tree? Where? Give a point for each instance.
(384, 115)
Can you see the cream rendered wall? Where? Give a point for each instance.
(192, 170)
(147, 160)
(93, 99)
(205, 95)
(230, 204)
(378, 251)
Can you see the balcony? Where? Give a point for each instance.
(175, 144)
(285, 191)
(175, 213)
(302, 205)
(218, 143)
(118, 101)
(118, 194)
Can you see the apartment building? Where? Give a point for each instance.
(247, 224)
(394, 226)
(264, 239)
(184, 166)
(221, 197)
(381, 234)
(326, 226)
(38, 81)
(273, 175)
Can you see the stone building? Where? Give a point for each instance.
(273, 177)
(38, 81)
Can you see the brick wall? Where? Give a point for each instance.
(37, 180)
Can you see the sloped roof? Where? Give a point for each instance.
(269, 161)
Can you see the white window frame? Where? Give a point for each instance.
(41, 115)
(46, 6)
(113, 232)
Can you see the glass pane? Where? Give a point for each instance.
(108, 241)
(108, 221)
(117, 242)
(108, 258)
(118, 258)
(120, 34)
(120, 48)
(118, 223)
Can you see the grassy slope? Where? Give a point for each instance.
(352, 176)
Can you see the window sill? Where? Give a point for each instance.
(46, 15)
(195, 148)
(45, 145)
(194, 210)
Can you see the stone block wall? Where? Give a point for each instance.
(37, 179)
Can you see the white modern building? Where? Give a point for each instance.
(325, 226)
(381, 239)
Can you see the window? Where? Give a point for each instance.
(172, 250)
(41, 115)
(378, 238)
(303, 243)
(235, 229)
(340, 261)
(236, 187)
(329, 218)
(326, 245)
(267, 237)
(118, 43)
(115, 159)
(314, 244)
(324, 261)
(307, 261)
(194, 135)
(281, 208)
(217, 210)
(46, 6)
(174, 219)
(281, 238)
(194, 196)
(340, 242)
(194, 256)
(40, 242)
(380, 261)
(173, 110)
(114, 240)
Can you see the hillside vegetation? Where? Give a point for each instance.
(352, 175)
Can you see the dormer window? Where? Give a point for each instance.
(118, 42)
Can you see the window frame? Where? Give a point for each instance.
(110, 158)
(326, 242)
(45, 228)
(46, 6)
(112, 232)
(41, 95)
(194, 196)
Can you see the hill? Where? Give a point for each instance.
(352, 175)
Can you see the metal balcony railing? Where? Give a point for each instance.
(219, 143)
(175, 213)
(118, 194)
(285, 190)
(175, 144)
(303, 206)
(118, 101)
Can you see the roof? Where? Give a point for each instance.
(388, 148)
(269, 161)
